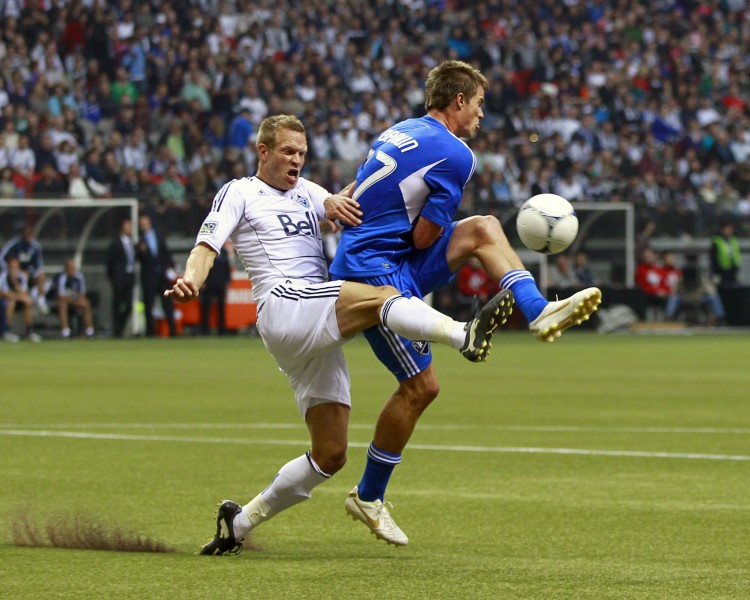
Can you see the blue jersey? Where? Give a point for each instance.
(415, 168)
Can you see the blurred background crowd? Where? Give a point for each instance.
(621, 100)
(635, 101)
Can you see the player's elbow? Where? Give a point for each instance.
(424, 240)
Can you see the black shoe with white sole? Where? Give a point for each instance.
(480, 329)
(224, 541)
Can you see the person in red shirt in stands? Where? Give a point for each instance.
(472, 280)
(649, 276)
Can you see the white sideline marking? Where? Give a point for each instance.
(512, 450)
(422, 427)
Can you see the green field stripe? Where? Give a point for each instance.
(365, 427)
(432, 447)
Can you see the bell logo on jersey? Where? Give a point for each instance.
(307, 226)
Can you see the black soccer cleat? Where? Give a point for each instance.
(480, 329)
(224, 541)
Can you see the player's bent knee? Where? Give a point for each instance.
(431, 390)
(330, 460)
(487, 229)
(420, 392)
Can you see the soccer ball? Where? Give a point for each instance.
(547, 223)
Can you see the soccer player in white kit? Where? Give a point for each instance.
(273, 220)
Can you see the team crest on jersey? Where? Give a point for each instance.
(302, 201)
(421, 347)
(208, 228)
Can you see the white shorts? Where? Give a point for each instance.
(298, 325)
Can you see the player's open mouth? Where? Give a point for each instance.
(293, 173)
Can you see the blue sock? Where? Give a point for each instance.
(377, 473)
(527, 295)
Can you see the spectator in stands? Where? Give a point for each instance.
(45, 152)
(561, 273)
(172, 194)
(65, 155)
(195, 89)
(123, 88)
(69, 290)
(584, 275)
(15, 290)
(121, 273)
(474, 287)
(240, 129)
(726, 258)
(8, 187)
(670, 274)
(92, 167)
(347, 144)
(135, 152)
(157, 274)
(694, 289)
(23, 159)
(649, 277)
(49, 184)
(111, 168)
(215, 291)
(85, 188)
(128, 185)
(4, 153)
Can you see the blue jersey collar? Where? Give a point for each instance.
(434, 121)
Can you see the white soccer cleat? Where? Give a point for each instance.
(376, 516)
(558, 316)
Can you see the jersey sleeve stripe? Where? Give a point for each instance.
(219, 199)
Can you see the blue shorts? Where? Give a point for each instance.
(422, 272)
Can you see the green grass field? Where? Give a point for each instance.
(596, 467)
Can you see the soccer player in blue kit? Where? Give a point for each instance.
(408, 189)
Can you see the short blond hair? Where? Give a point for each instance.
(270, 125)
(449, 79)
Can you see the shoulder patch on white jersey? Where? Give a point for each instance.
(208, 228)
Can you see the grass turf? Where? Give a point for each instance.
(596, 467)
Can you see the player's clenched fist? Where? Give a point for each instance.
(182, 291)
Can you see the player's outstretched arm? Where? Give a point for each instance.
(199, 263)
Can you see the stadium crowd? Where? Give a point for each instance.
(617, 100)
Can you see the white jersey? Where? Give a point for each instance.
(275, 233)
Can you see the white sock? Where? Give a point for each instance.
(253, 514)
(416, 320)
(293, 484)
